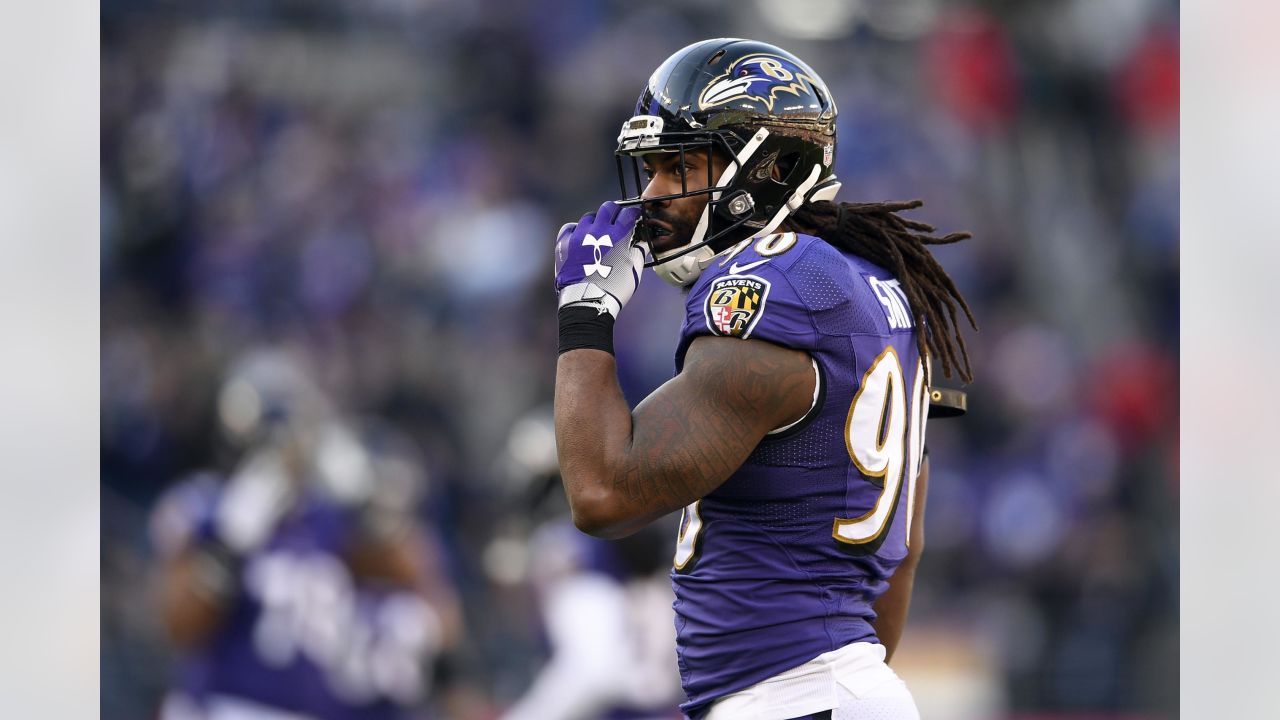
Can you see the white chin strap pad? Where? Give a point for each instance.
(684, 270)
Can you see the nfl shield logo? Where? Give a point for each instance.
(734, 304)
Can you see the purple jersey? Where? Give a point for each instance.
(302, 636)
(783, 561)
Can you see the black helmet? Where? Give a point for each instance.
(758, 105)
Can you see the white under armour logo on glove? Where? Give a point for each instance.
(597, 268)
(598, 262)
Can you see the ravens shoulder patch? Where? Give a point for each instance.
(735, 303)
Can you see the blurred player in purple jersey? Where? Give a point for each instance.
(300, 587)
(793, 432)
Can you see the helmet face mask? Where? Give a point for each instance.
(632, 182)
(754, 105)
(732, 208)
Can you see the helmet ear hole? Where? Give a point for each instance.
(786, 167)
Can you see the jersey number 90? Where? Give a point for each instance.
(884, 444)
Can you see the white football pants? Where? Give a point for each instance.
(854, 683)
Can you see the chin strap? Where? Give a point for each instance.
(797, 198)
(683, 269)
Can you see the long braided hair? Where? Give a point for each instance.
(876, 232)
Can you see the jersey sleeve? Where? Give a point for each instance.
(753, 297)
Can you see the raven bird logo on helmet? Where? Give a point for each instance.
(758, 78)
(764, 110)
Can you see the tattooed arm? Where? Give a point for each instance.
(622, 470)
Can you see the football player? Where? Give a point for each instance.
(793, 432)
(300, 587)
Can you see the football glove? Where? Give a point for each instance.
(598, 260)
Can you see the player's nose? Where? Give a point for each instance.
(655, 189)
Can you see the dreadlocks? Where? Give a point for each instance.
(877, 233)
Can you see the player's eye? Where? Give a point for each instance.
(648, 172)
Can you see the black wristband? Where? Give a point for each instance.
(585, 327)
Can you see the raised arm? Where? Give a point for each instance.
(623, 470)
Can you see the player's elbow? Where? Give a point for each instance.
(595, 520)
(596, 513)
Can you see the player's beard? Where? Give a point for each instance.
(681, 231)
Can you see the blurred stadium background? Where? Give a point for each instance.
(374, 185)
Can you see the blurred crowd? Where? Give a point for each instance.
(373, 186)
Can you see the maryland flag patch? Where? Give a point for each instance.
(735, 303)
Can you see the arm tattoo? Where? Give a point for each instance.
(695, 431)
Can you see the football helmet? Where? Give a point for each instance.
(269, 396)
(757, 105)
